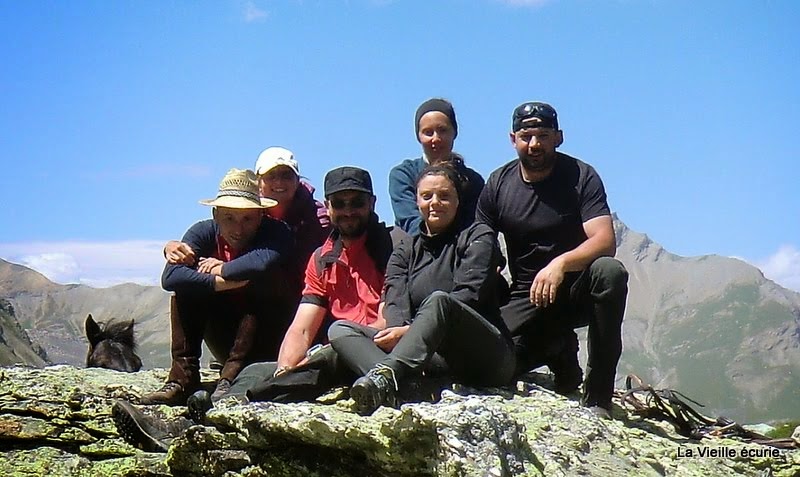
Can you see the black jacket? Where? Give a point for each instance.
(461, 262)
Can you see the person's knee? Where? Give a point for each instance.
(437, 298)
(340, 329)
(610, 275)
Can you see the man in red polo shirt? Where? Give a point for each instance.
(344, 277)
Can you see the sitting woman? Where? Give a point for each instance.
(436, 128)
(440, 296)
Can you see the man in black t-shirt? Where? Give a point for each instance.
(553, 212)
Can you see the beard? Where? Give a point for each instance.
(537, 164)
(352, 227)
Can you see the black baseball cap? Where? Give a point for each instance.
(347, 178)
(534, 114)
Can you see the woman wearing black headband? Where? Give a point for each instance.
(436, 129)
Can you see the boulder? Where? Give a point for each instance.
(56, 421)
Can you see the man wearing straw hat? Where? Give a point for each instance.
(228, 297)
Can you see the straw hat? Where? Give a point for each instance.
(239, 190)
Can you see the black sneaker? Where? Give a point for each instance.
(377, 388)
(148, 433)
(223, 386)
(199, 404)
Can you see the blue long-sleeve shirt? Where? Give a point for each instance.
(403, 193)
(266, 254)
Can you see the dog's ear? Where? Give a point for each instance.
(92, 330)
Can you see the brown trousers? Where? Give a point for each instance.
(236, 333)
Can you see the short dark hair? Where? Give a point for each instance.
(447, 170)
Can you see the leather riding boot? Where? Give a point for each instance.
(171, 394)
(186, 342)
(242, 345)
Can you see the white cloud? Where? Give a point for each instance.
(254, 14)
(58, 267)
(97, 264)
(783, 267)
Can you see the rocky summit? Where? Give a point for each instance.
(56, 421)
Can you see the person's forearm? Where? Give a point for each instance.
(583, 255)
(220, 284)
(293, 349)
(180, 278)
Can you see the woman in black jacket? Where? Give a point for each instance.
(440, 296)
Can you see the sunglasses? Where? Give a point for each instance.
(534, 109)
(542, 111)
(354, 203)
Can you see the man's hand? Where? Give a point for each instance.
(210, 265)
(546, 283)
(388, 338)
(179, 253)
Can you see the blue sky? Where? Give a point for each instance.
(118, 116)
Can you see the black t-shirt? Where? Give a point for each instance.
(541, 220)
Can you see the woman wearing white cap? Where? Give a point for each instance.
(279, 179)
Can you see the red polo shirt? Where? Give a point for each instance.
(351, 286)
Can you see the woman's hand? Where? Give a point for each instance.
(387, 339)
(380, 322)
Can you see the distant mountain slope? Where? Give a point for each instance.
(710, 326)
(54, 314)
(713, 327)
(15, 346)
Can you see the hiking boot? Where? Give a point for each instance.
(601, 412)
(564, 365)
(223, 386)
(199, 404)
(375, 389)
(171, 394)
(567, 380)
(148, 433)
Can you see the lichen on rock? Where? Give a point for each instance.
(56, 421)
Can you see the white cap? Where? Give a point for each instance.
(272, 157)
